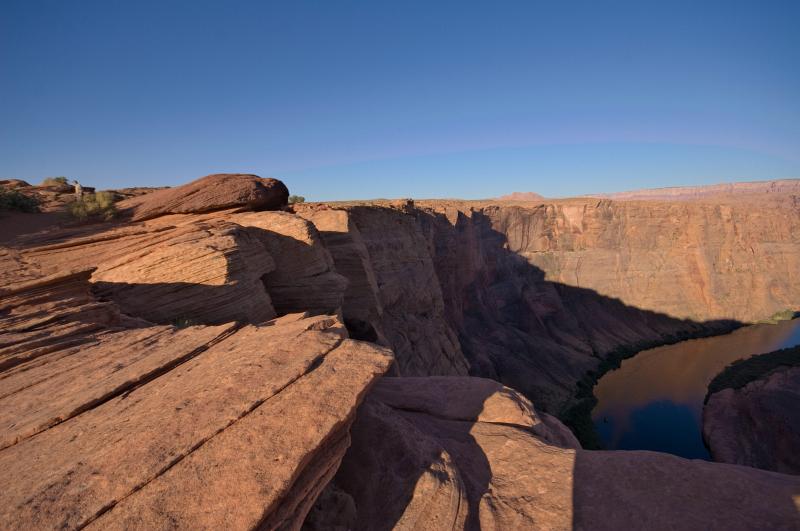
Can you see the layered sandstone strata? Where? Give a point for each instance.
(212, 192)
(159, 363)
(113, 422)
(145, 381)
(538, 296)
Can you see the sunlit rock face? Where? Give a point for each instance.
(207, 368)
(146, 383)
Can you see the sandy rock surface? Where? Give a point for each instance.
(148, 426)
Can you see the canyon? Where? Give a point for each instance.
(215, 357)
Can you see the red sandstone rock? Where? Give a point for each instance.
(212, 192)
(394, 295)
(153, 427)
(136, 425)
(304, 277)
(757, 425)
(443, 464)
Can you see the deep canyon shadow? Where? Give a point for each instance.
(549, 340)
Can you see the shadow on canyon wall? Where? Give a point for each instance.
(548, 340)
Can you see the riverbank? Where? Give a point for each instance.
(578, 415)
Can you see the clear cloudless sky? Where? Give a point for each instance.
(346, 99)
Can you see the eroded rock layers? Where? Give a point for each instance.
(538, 296)
(205, 363)
(468, 453)
(145, 381)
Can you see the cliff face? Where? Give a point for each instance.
(153, 371)
(751, 416)
(757, 425)
(689, 260)
(536, 296)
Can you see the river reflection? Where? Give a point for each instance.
(654, 401)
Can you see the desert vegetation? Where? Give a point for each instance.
(16, 200)
(741, 372)
(98, 206)
(296, 199)
(55, 181)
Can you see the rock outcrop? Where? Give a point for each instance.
(751, 416)
(394, 294)
(467, 453)
(117, 423)
(304, 278)
(145, 381)
(539, 296)
(203, 368)
(212, 192)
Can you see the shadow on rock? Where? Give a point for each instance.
(649, 490)
(439, 449)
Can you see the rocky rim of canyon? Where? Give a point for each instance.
(217, 358)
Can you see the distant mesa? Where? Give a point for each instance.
(212, 192)
(713, 191)
(521, 196)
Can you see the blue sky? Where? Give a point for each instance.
(386, 99)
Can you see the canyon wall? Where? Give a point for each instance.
(208, 368)
(539, 296)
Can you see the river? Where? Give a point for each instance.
(654, 401)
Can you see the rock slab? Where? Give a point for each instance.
(212, 192)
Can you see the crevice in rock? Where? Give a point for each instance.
(125, 389)
(314, 364)
(361, 330)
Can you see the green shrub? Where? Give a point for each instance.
(55, 181)
(94, 206)
(16, 200)
(296, 199)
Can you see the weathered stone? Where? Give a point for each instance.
(201, 274)
(52, 313)
(757, 425)
(442, 466)
(304, 277)
(293, 387)
(394, 295)
(212, 192)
